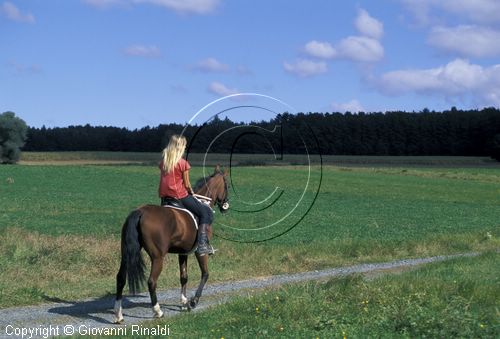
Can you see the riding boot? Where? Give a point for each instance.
(203, 245)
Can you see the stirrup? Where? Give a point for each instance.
(212, 250)
(207, 250)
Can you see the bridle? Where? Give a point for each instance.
(224, 203)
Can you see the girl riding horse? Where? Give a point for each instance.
(160, 230)
(174, 183)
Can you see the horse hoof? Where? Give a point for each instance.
(192, 304)
(157, 312)
(118, 321)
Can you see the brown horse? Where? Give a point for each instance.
(161, 230)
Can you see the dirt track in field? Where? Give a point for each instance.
(93, 314)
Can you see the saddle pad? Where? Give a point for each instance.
(187, 211)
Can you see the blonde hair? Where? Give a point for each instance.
(173, 152)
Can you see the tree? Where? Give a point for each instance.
(13, 132)
(495, 154)
(454, 132)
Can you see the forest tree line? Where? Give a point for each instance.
(454, 133)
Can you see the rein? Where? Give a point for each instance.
(203, 197)
(222, 204)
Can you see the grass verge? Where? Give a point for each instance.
(455, 299)
(38, 268)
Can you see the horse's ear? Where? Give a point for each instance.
(217, 169)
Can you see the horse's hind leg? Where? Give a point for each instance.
(203, 263)
(156, 267)
(183, 278)
(121, 278)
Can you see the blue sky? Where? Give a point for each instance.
(132, 63)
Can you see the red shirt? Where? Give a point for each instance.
(171, 183)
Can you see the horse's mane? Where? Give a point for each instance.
(200, 182)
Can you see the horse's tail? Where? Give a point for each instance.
(131, 252)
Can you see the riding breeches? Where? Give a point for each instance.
(202, 211)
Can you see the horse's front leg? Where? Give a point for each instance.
(203, 263)
(184, 279)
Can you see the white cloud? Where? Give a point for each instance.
(179, 6)
(320, 49)
(101, 4)
(368, 25)
(211, 65)
(185, 6)
(352, 106)
(221, 89)
(459, 79)
(142, 51)
(306, 68)
(479, 11)
(13, 13)
(466, 40)
(354, 48)
(420, 9)
(359, 48)
(455, 77)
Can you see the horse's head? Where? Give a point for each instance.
(218, 184)
(215, 187)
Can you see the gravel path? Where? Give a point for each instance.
(93, 314)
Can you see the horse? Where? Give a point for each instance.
(161, 230)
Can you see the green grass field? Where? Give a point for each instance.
(60, 225)
(456, 299)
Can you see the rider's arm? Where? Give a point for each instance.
(187, 184)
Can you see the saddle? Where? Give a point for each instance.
(169, 202)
